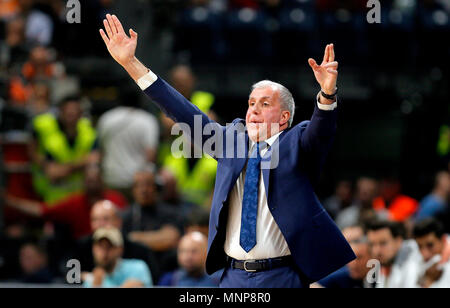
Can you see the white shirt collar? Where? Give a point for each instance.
(268, 141)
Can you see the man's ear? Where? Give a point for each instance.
(285, 115)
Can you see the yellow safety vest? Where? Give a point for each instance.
(197, 185)
(53, 141)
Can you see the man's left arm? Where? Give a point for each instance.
(319, 133)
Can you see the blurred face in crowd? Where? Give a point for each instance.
(389, 189)
(383, 246)
(106, 254)
(443, 182)
(70, 113)
(192, 253)
(15, 32)
(367, 190)
(265, 116)
(344, 191)
(104, 214)
(144, 188)
(93, 183)
(183, 80)
(353, 233)
(431, 245)
(31, 259)
(358, 268)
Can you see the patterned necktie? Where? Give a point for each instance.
(247, 238)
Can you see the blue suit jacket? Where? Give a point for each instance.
(316, 244)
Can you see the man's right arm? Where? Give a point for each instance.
(122, 48)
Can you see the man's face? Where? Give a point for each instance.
(383, 246)
(103, 215)
(93, 182)
(105, 254)
(192, 253)
(358, 268)
(430, 245)
(265, 117)
(144, 188)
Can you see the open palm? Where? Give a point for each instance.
(326, 73)
(121, 47)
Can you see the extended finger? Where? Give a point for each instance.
(104, 37)
(107, 28)
(111, 23)
(332, 71)
(313, 64)
(331, 58)
(333, 64)
(118, 24)
(326, 54)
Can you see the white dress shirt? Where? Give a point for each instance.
(270, 242)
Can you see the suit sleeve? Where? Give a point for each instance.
(192, 121)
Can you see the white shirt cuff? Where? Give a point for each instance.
(326, 106)
(147, 80)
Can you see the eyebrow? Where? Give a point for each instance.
(259, 97)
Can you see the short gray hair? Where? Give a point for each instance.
(286, 99)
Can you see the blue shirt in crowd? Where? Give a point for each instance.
(180, 278)
(341, 279)
(430, 206)
(126, 269)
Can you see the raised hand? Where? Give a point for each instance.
(326, 73)
(121, 47)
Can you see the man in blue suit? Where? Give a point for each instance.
(267, 228)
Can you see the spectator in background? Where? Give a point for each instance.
(61, 147)
(399, 258)
(33, 262)
(361, 209)
(393, 205)
(191, 258)
(194, 177)
(105, 214)
(341, 199)
(128, 137)
(39, 25)
(197, 220)
(14, 49)
(110, 269)
(433, 242)
(75, 210)
(151, 223)
(353, 275)
(435, 203)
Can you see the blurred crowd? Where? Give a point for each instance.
(108, 191)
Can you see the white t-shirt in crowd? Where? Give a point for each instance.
(125, 134)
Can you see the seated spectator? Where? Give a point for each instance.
(74, 211)
(393, 205)
(61, 147)
(399, 258)
(433, 242)
(436, 202)
(341, 199)
(129, 141)
(33, 262)
(154, 224)
(353, 275)
(110, 269)
(191, 258)
(360, 211)
(105, 214)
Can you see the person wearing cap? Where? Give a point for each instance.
(110, 269)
